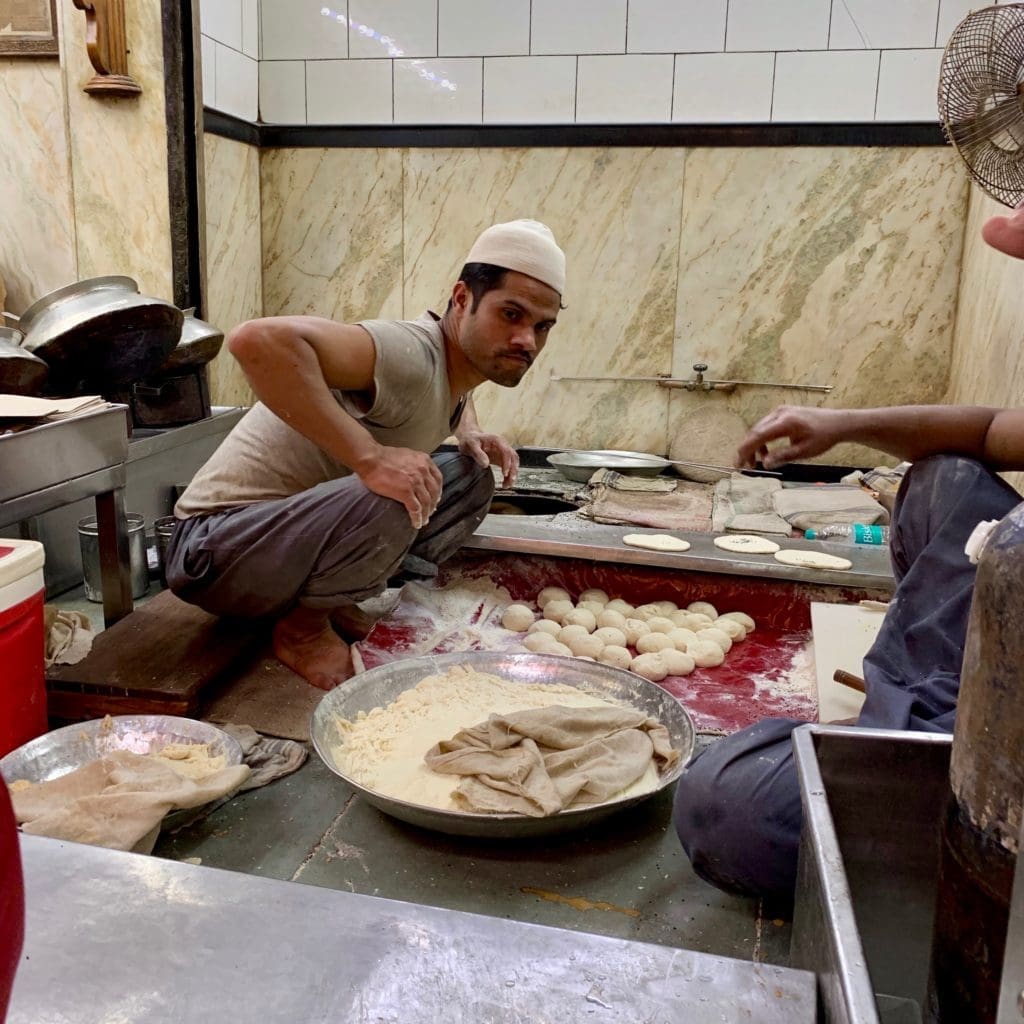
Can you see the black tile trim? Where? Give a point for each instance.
(911, 133)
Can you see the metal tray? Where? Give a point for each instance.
(581, 466)
(381, 685)
(56, 753)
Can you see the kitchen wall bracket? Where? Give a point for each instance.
(107, 46)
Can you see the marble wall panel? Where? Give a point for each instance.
(234, 257)
(37, 237)
(818, 266)
(119, 156)
(616, 214)
(332, 232)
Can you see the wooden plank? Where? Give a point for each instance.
(82, 707)
(166, 650)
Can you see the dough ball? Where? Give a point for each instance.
(557, 648)
(611, 618)
(742, 618)
(580, 617)
(552, 594)
(594, 607)
(683, 619)
(573, 631)
(594, 594)
(733, 629)
(667, 607)
(703, 608)
(611, 635)
(518, 618)
(660, 624)
(650, 666)
(681, 638)
(634, 629)
(705, 654)
(698, 621)
(588, 645)
(646, 611)
(539, 642)
(557, 610)
(545, 626)
(716, 636)
(584, 657)
(617, 657)
(651, 643)
(620, 606)
(678, 663)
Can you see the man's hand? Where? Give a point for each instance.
(490, 449)
(810, 432)
(405, 475)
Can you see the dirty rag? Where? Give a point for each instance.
(743, 504)
(68, 636)
(624, 482)
(117, 801)
(545, 760)
(807, 508)
(687, 507)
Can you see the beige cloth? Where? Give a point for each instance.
(808, 508)
(117, 802)
(263, 458)
(543, 761)
(744, 504)
(68, 636)
(687, 507)
(625, 482)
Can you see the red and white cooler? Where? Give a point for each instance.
(22, 643)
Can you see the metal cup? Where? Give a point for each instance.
(163, 528)
(89, 539)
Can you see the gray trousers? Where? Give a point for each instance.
(737, 807)
(335, 544)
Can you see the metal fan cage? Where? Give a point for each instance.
(981, 86)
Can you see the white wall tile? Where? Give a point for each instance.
(251, 28)
(951, 13)
(208, 55)
(348, 92)
(723, 87)
(283, 91)
(222, 20)
(676, 26)
(297, 31)
(778, 25)
(529, 90)
(834, 85)
(384, 27)
(878, 24)
(237, 83)
(579, 26)
(624, 88)
(907, 85)
(421, 99)
(483, 28)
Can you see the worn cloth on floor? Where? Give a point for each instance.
(686, 507)
(68, 636)
(117, 801)
(543, 761)
(744, 504)
(626, 482)
(810, 508)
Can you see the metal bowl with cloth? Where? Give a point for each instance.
(382, 685)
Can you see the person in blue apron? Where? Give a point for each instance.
(737, 807)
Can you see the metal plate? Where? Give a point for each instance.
(382, 685)
(582, 465)
(56, 753)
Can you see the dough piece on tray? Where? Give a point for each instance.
(558, 609)
(746, 544)
(552, 594)
(611, 618)
(518, 618)
(678, 663)
(650, 666)
(545, 626)
(617, 657)
(594, 594)
(742, 618)
(811, 559)
(656, 542)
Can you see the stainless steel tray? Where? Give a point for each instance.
(381, 685)
(581, 466)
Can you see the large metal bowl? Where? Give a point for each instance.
(581, 466)
(56, 753)
(382, 685)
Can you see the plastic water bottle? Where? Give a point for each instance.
(851, 533)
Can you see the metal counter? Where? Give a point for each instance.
(119, 937)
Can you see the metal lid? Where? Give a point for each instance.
(19, 558)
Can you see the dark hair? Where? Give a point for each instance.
(481, 278)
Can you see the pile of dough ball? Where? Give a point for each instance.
(654, 640)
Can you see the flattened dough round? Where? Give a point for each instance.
(747, 544)
(811, 559)
(656, 542)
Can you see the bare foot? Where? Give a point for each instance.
(352, 622)
(306, 643)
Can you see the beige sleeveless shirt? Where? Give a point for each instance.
(263, 458)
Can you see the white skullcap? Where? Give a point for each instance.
(526, 246)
